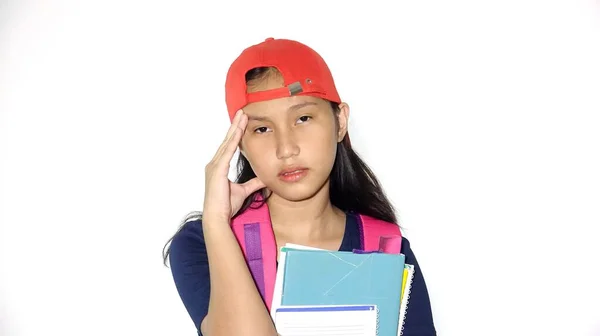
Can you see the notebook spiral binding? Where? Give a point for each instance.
(404, 306)
(377, 320)
(404, 318)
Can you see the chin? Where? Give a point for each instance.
(296, 192)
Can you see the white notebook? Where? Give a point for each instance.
(354, 320)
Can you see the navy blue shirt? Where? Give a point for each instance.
(189, 266)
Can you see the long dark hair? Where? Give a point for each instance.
(353, 187)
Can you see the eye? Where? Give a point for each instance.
(304, 118)
(260, 130)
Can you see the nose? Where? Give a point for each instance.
(286, 145)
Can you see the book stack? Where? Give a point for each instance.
(326, 293)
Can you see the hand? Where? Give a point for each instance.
(223, 198)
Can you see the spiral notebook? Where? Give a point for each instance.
(409, 272)
(356, 320)
(333, 278)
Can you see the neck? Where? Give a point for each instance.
(310, 220)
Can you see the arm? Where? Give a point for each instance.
(419, 319)
(193, 275)
(235, 306)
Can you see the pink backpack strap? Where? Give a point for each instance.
(379, 235)
(255, 236)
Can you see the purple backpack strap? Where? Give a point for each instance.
(254, 256)
(254, 234)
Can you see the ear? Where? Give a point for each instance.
(343, 121)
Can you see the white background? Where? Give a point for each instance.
(110, 110)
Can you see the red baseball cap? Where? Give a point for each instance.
(304, 73)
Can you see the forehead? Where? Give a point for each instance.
(285, 104)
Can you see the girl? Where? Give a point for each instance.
(295, 160)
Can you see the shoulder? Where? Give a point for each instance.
(187, 242)
(407, 250)
(191, 230)
(405, 245)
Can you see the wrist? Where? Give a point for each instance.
(215, 221)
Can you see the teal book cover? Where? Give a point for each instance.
(345, 278)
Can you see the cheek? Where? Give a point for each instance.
(260, 157)
(320, 146)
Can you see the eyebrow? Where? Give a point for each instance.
(292, 108)
(300, 105)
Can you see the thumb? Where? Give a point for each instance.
(252, 185)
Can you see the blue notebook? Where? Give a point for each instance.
(345, 278)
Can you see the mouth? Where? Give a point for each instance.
(293, 174)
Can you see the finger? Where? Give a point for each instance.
(230, 145)
(232, 128)
(252, 186)
(233, 142)
(234, 123)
